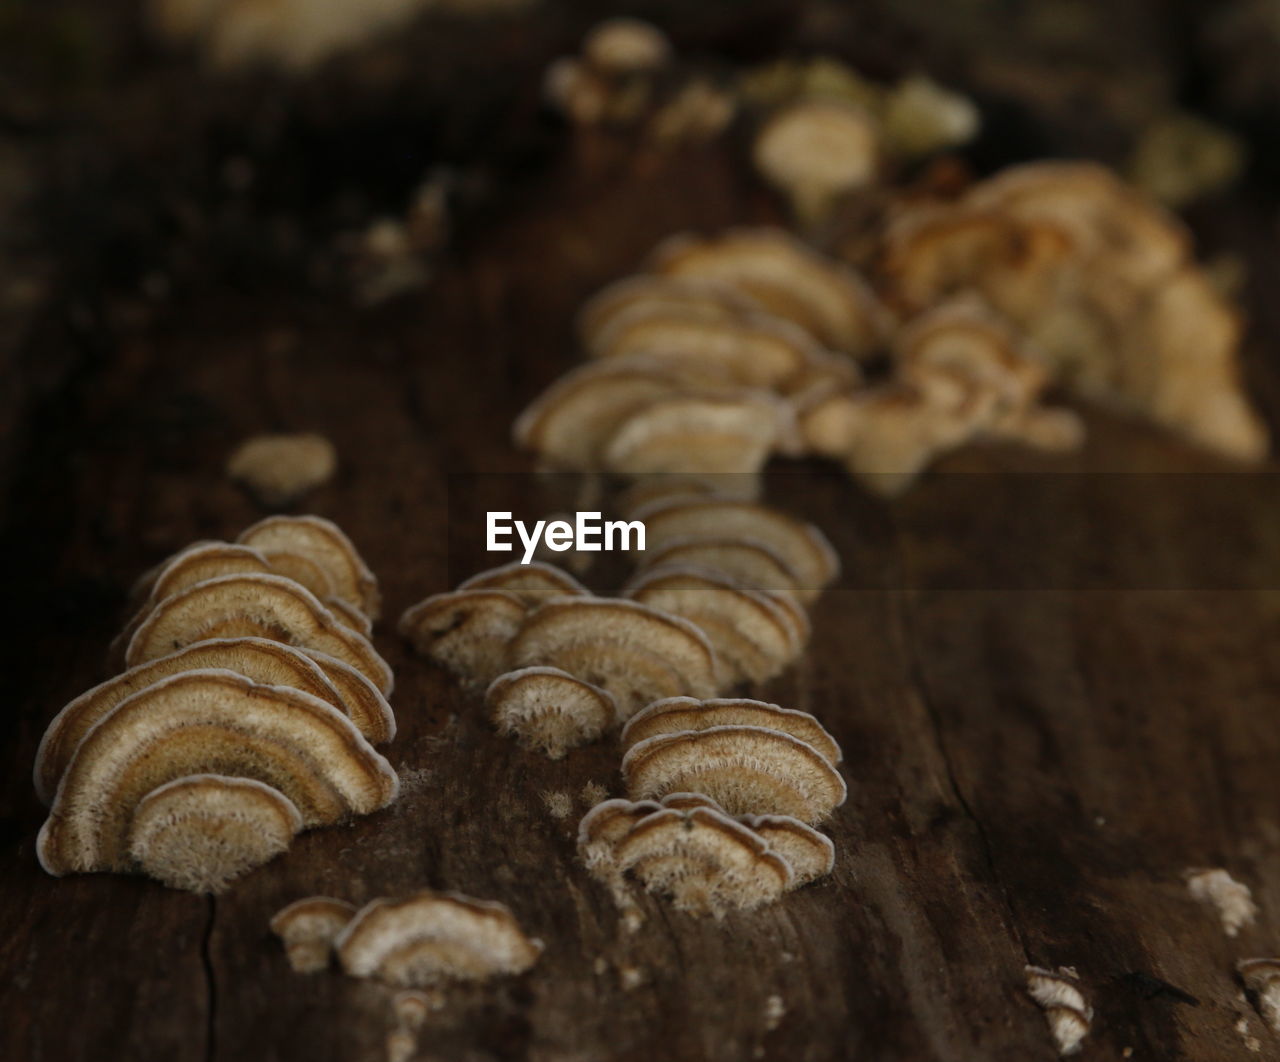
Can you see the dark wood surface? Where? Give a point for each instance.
(1055, 680)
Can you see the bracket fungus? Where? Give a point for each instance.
(811, 854)
(816, 151)
(709, 300)
(207, 722)
(1059, 996)
(749, 561)
(323, 542)
(549, 709)
(202, 831)
(266, 662)
(804, 548)
(280, 469)
(753, 637)
(433, 937)
(467, 631)
(698, 433)
(678, 714)
(1262, 978)
(636, 653)
(533, 583)
(308, 928)
(786, 277)
(747, 770)
(267, 606)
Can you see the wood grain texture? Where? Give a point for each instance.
(1054, 681)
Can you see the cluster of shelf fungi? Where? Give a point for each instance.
(251, 700)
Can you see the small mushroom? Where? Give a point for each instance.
(203, 831)
(816, 151)
(1262, 978)
(786, 277)
(265, 662)
(549, 709)
(804, 548)
(603, 828)
(678, 714)
(623, 46)
(432, 937)
(280, 469)
(207, 721)
(747, 770)
(753, 638)
(532, 583)
(921, 117)
(1231, 900)
(325, 543)
(692, 433)
(751, 562)
(263, 606)
(636, 653)
(467, 631)
(308, 928)
(1059, 996)
(810, 854)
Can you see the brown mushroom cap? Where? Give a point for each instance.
(815, 151)
(708, 300)
(754, 349)
(802, 545)
(467, 631)
(751, 562)
(811, 854)
(788, 278)
(704, 860)
(208, 721)
(570, 422)
(432, 937)
(549, 709)
(325, 543)
(698, 433)
(677, 714)
(636, 653)
(306, 571)
(266, 606)
(308, 928)
(753, 638)
(604, 826)
(365, 704)
(203, 831)
(265, 662)
(532, 583)
(279, 469)
(747, 770)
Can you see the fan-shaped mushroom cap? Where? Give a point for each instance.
(308, 928)
(804, 548)
(921, 117)
(569, 423)
(811, 854)
(749, 561)
(753, 639)
(699, 434)
(549, 709)
(203, 831)
(265, 662)
(467, 631)
(677, 714)
(267, 606)
(604, 826)
(306, 571)
(532, 583)
(364, 702)
(206, 560)
(747, 770)
(281, 468)
(752, 348)
(322, 541)
(786, 277)
(708, 300)
(706, 861)
(816, 151)
(623, 46)
(635, 652)
(216, 722)
(432, 937)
